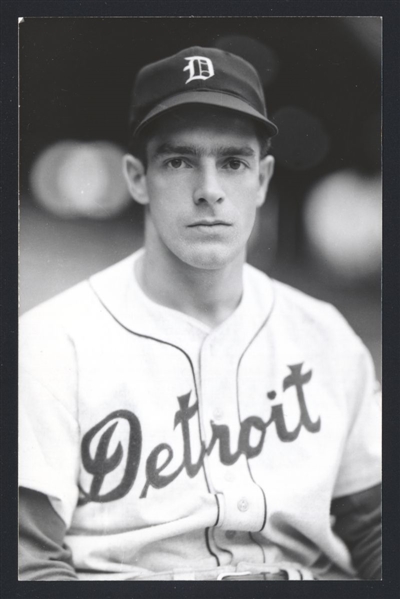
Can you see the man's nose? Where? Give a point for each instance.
(208, 189)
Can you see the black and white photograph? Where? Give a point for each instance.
(200, 352)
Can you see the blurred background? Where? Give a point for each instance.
(320, 229)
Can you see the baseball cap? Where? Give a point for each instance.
(198, 75)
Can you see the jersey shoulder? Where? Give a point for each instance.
(60, 309)
(312, 312)
(78, 305)
(303, 313)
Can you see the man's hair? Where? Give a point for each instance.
(137, 146)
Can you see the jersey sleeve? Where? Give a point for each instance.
(42, 554)
(48, 427)
(360, 466)
(358, 524)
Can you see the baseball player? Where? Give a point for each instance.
(182, 415)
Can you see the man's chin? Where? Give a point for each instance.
(213, 259)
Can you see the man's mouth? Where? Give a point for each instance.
(210, 223)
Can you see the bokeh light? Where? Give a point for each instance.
(262, 57)
(368, 32)
(343, 221)
(72, 179)
(302, 142)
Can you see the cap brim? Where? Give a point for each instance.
(223, 100)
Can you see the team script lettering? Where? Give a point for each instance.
(161, 456)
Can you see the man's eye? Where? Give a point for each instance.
(234, 164)
(176, 163)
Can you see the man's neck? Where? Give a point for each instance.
(210, 296)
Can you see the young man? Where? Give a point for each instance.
(183, 416)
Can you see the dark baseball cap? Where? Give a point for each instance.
(198, 76)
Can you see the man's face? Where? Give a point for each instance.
(204, 181)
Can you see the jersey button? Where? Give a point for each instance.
(218, 414)
(229, 476)
(243, 504)
(230, 534)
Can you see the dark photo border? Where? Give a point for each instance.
(389, 587)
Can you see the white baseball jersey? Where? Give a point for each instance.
(167, 446)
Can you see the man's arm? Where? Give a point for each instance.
(49, 444)
(358, 523)
(42, 554)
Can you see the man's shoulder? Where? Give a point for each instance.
(299, 309)
(288, 296)
(284, 294)
(75, 303)
(74, 299)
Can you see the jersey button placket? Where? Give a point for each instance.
(220, 416)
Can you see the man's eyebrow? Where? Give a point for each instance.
(236, 151)
(168, 149)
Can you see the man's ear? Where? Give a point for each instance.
(267, 164)
(135, 177)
